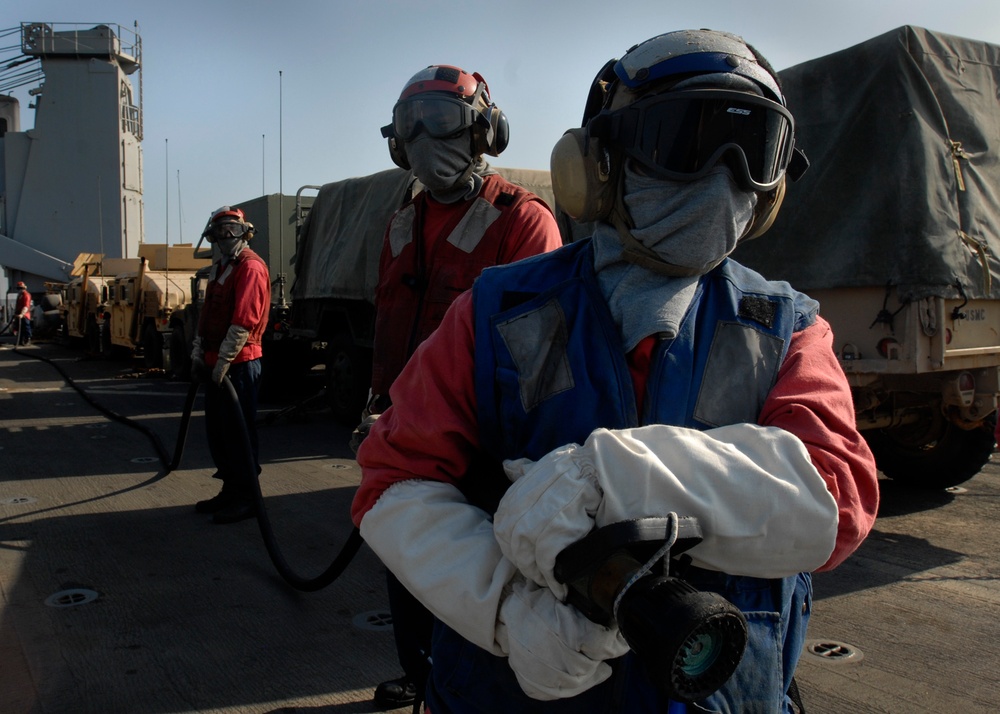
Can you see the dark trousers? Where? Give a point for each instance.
(23, 330)
(225, 442)
(412, 627)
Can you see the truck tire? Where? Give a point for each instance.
(180, 355)
(348, 378)
(955, 456)
(152, 347)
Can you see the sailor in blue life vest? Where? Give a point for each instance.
(637, 373)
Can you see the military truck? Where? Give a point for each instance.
(85, 302)
(895, 230)
(140, 305)
(97, 303)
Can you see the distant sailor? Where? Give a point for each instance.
(230, 328)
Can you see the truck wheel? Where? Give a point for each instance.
(152, 347)
(180, 355)
(348, 377)
(955, 456)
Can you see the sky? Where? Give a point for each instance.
(249, 97)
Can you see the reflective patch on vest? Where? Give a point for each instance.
(537, 343)
(401, 230)
(474, 224)
(221, 280)
(759, 309)
(742, 368)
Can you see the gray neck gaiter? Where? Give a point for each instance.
(445, 167)
(693, 225)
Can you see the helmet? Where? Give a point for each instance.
(21, 285)
(442, 100)
(228, 222)
(677, 105)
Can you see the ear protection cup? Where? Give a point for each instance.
(584, 176)
(584, 173)
(765, 211)
(492, 132)
(397, 152)
(501, 130)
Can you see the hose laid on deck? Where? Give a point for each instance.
(299, 582)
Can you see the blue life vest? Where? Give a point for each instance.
(550, 368)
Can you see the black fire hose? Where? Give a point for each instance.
(350, 547)
(153, 437)
(183, 429)
(347, 552)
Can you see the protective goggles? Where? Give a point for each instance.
(438, 117)
(683, 135)
(222, 231)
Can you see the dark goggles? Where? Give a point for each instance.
(683, 135)
(222, 231)
(438, 116)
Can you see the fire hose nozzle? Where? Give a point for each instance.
(690, 641)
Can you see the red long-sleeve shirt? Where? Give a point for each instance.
(431, 431)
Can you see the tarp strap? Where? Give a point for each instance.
(957, 152)
(983, 259)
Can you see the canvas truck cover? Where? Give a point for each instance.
(338, 250)
(903, 136)
(341, 242)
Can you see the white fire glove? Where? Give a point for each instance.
(456, 570)
(554, 651)
(764, 509)
(199, 370)
(235, 338)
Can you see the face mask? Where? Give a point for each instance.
(442, 165)
(231, 247)
(693, 225)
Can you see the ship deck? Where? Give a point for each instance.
(115, 596)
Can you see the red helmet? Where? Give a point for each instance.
(462, 100)
(21, 285)
(228, 214)
(228, 222)
(445, 78)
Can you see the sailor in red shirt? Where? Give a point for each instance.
(231, 324)
(466, 219)
(22, 313)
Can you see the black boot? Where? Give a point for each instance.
(238, 509)
(395, 693)
(216, 503)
